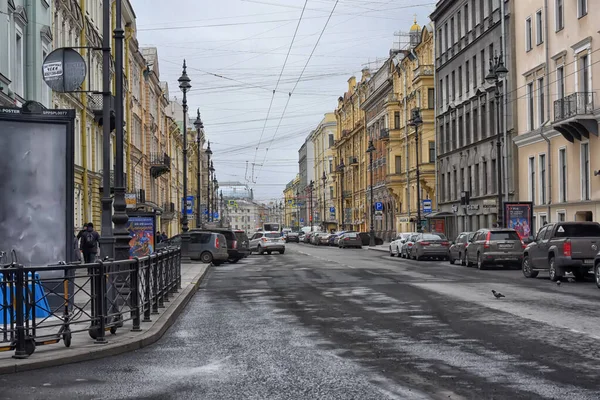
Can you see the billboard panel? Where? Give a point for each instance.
(519, 216)
(141, 229)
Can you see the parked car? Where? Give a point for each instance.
(267, 242)
(563, 247)
(301, 237)
(324, 239)
(597, 269)
(292, 237)
(350, 239)
(406, 248)
(398, 242)
(458, 247)
(495, 246)
(314, 238)
(237, 243)
(204, 246)
(307, 236)
(430, 245)
(366, 239)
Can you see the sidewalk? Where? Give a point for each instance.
(83, 347)
(382, 247)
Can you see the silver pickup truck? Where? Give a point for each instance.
(563, 247)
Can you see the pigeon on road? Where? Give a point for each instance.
(558, 283)
(497, 294)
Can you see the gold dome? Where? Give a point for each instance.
(415, 27)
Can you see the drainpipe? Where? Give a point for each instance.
(549, 156)
(504, 94)
(83, 128)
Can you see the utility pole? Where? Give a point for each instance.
(310, 193)
(417, 121)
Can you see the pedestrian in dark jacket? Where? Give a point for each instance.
(89, 241)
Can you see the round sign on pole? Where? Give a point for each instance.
(64, 70)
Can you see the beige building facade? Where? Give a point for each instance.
(559, 110)
(323, 140)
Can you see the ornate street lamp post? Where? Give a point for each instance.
(185, 86)
(215, 196)
(199, 127)
(371, 150)
(340, 168)
(211, 170)
(495, 76)
(324, 179)
(298, 209)
(417, 121)
(310, 193)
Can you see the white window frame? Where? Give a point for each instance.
(581, 165)
(539, 219)
(539, 27)
(531, 178)
(540, 103)
(560, 89)
(528, 34)
(559, 212)
(77, 141)
(530, 111)
(560, 178)
(542, 162)
(559, 21)
(19, 78)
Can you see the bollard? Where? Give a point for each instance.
(20, 350)
(134, 284)
(101, 303)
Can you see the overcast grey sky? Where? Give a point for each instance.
(235, 51)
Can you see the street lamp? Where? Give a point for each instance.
(495, 76)
(417, 121)
(199, 126)
(324, 179)
(310, 193)
(371, 150)
(298, 209)
(340, 168)
(215, 196)
(185, 86)
(211, 171)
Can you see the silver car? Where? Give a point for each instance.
(205, 246)
(430, 245)
(350, 239)
(405, 250)
(397, 244)
(495, 246)
(457, 251)
(267, 242)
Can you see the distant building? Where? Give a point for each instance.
(306, 162)
(235, 190)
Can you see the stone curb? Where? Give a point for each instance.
(378, 249)
(164, 322)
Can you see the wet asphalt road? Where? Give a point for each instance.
(324, 323)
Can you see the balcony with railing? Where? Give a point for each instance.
(159, 164)
(384, 134)
(421, 71)
(574, 116)
(169, 211)
(353, 161)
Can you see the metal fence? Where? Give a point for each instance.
(46, 305)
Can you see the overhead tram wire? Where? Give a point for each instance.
(278, 80)
(296, 85)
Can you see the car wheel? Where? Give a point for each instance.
(527, 269)
(206, 257)
(597, 274)
(554, 274)
(233, 260)
(480, 264)
(451, 259)
(391, 252)
(268, 252)
(462, 259)
(281, 251)
(467, 261)
(259, 250)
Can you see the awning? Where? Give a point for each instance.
(440, 214)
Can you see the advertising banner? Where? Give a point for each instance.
(141, 230)
(519, 216)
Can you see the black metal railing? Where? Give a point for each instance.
(159, 164)
(352, 160)
(44, 305)
(384, 134)
(579, 103)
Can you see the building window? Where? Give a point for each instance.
(331, 140)
(467, 27)
(584, 74)
(582, 8)
(431, 151)
(561, 216)
(560, 14)
(460, 132)
(468, 127)
(562, 174)
(541, 101)
(452, 39)
(493, 117)
(493, 177)
(398, 160)
(483, 66)
(476, 128)
(483, 126)
(485, 178)
(459, 24)
(460, 82)
(481, 11)
(532, 179)
(530, 125)
(430, 100)
(462, 179)
(396, 119)
(454, 185)
(446, 37)
(585, 171)
(528, 34)
(476, 179)
(560, 82)
(453, 86)
(447, 90)
(474, 72)
(20, 64)
(539, 31)
(467, 75)
(542, 161)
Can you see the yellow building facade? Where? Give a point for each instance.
(323, 139)
(291, 209)
(413, 89)
(351, 162)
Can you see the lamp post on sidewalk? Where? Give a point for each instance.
(199, 126)
(495, 76)
(215, 196)
(340, 168)
(371, 150)
(211, 170)
(310, 193)
(417, 121)
(185, 86)
(298, 209)
(324, 179)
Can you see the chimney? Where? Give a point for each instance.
(351, 84)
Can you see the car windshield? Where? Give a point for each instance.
(578, 230)
(504, 235)
(272, 235)
(433, 237)
(351, 235)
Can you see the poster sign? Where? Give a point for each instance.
(141, 231)
(130, 200)
(519, 216)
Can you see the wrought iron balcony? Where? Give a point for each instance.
(574, 116)
(384, 134)
(159, 164)
(352, 160)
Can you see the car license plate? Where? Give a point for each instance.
(435, 245)
(588, 261)
(506, 246)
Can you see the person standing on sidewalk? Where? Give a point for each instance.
(89, 241)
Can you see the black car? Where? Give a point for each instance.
(292, 237)
(366, 239)
(237, 244)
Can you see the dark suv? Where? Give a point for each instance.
(237, 244)
(495, 246)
